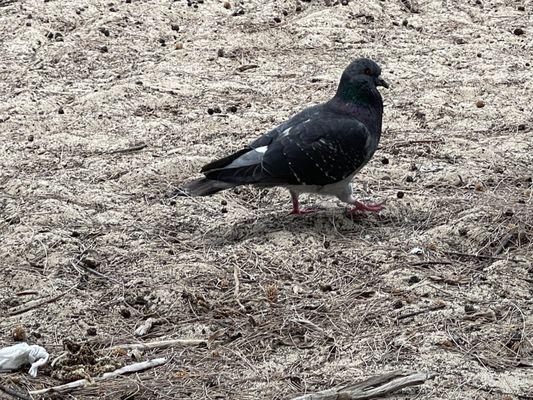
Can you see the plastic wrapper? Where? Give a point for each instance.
(14, 357)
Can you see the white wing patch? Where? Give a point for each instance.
(286, 132)
(262, 149)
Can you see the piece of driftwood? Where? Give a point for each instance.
(108, 375)
(377, 386)
(159, 345)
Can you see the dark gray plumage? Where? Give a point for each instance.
(318, 150)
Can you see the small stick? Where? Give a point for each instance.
(503, 244)
(14, 393)
(35, 304)
(27, 292)
(436, 307)
(108, 375)
(483, 257)
(131, 149)
(410, 142)
(422, 263)
(237, 286)
(377, 386)
(243, 68)
(159, 345)
(411, 5)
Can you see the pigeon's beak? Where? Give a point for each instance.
(381, 82)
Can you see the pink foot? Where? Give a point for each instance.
(296, 210)
(371, 207)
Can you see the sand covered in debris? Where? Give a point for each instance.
(103, 108)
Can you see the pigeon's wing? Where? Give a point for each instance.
(252, 155)
(318, 152)
(269, 137)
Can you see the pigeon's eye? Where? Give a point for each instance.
(367, 71)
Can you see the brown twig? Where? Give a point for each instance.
(159, 345)
(14, 393)
(131, 149)
(243, 68)
(482, 257)
(436, 307)
(35, 304)
(410, 142)
(377, 386)
(411, 5)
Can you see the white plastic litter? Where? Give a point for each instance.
(417, 251)
(14, 357)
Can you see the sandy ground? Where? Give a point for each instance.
(103, 109)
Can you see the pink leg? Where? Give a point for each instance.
(296, 210)
(371, 207)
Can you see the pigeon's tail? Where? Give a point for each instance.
(203, 187)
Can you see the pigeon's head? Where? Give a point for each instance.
(359, 82)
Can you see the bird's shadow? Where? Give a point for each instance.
(329, 223)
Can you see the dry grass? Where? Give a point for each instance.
(288, 304)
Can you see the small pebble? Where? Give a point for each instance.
(519, 31)
(469, 309)
(217, 110)
(405, 22)
(384, 160)
(223, 210)
(128, 1)
(277, 20)
(175, 27)
(210, 111)
(232, 109)
(224, 203)
(509, 213)
(480, 104)
(521, 8)
(162, 41)
(220, 52)
(227, 5)
(345, 2)
(104, 31)
(104, 49)
(397, 304)
(61, 111)
(463, 231)
(125, 312)
(409, 178)
(91, 331)
(400, 194)
(479, 187)
(19, 333)
(30, 138)
(178, 46)
(414, 279)
(522, 127)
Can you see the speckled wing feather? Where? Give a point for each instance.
(319, 152)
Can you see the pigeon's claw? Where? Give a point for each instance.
(370, 207)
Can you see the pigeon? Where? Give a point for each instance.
(318, 150)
